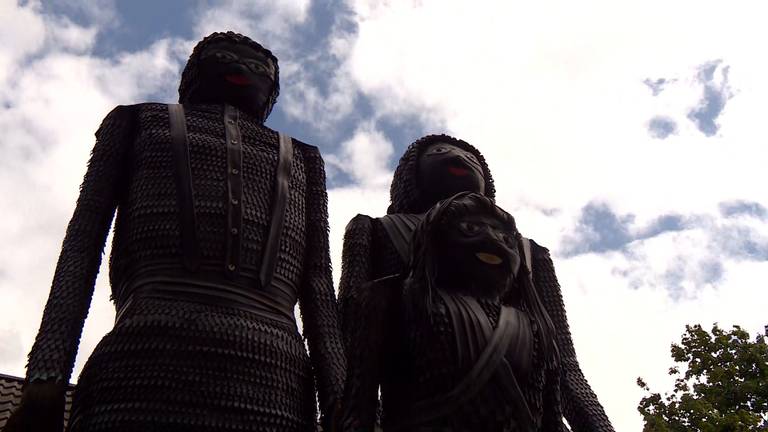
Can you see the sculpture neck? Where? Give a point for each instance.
(208, 96)
(461, 284)
(219, 108)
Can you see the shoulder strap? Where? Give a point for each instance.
(282, 180)
(537, 298)
(527, 252)
(399, 228)
(184, 192)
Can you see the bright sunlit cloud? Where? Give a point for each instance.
(627, 138)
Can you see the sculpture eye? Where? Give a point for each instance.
(262, 68)
(225, 56)
(440, 149)
(255, 66)
(509, 241)
(469, 227)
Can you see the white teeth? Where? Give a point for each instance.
(488, 258)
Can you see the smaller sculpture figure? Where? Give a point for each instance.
(468, 343)
(433, 168)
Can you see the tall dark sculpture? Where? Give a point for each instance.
(433, 168)
(469, 345)
(221, 228)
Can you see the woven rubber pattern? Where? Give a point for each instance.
(355, 270)
(435, 369)
(10, 398)
(580, 405)
(131, 169)
(410, 362)
(367, 254)
(172, 365)
(53, 353)
(317, 300)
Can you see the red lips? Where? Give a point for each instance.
(240, 80)
(457, 171)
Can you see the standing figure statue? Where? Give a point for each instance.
(433, 168)
(221, 228)
(470, 346)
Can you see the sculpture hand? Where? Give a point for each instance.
(332, 421)
(41, 409)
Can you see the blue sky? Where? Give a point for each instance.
(629, 141)
(132, 26)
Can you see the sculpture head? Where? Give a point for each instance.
(231, 68)
(435, 167)
(467, 245)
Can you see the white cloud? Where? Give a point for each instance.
(343, 205)
(63, 34)
(48, 115)
(49, 109)
(552, 93)
(365, 157)
(276, 25)
(303, 100)
(557, 90)
(10, 345)
(99, 13)
(622, 333)
(26, 29)
(269, 23)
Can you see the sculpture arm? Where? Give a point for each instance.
(552, 411)
(359, 311)
(368, 351)
(355, 270)
(53, 354)
(580, 404)
(316, 295)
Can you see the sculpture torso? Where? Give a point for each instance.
(147, 233)
(438, 357)
(210, 342)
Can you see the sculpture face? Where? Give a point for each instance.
(445, 170)
(236, 74)
(407, 194)
(477, 254)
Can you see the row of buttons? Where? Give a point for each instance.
(234, 186)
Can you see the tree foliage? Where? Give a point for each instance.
(723, 389)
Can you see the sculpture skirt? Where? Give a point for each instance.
(172, 365)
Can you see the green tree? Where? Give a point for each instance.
(723, 389)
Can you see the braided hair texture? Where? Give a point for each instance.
(405, 196)
(420, 285)
(190, 74)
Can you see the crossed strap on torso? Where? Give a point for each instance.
(477, 342)
(488, 351)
